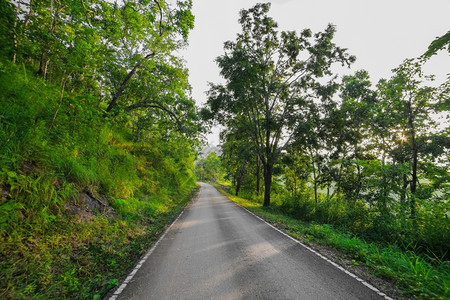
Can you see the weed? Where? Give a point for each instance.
(52, 246)
(418, 275)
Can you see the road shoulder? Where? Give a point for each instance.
(345, 261)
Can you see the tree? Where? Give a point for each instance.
(100, 46)
(268, 75)
(351, 128)
(155, 29)
(209, 168)
(409, 106)
(160, 96)
(438, 44)
(309, 138)
(7, 21)
(297, 170)
(238, 155)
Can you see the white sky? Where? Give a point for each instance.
(380, 33)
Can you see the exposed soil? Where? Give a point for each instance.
(89, 206)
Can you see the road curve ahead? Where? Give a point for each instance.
(217, 250)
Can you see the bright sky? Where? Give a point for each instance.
(381, 34)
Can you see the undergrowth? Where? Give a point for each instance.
(52, 244)
(417, 275)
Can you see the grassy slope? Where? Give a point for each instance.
(415, 275)
(52, 245)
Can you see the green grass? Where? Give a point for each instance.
(418, 276)
(47, 253)
(48, 249)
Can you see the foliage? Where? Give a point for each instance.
(52, 244)
(97, 139)
(438, 44)
(237, 157)
(209, 168)
(269, 76)
(418, 275)
(373, 159)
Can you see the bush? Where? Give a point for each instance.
(51, 245)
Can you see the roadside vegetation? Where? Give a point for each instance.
(97, 141)
(416, 275)
(364, 165)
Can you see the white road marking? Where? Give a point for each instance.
(321, 256)
(141, 262)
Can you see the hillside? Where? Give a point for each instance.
(97, 143)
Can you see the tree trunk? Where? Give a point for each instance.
(315, 191)
(403, 192)
(125, 82)
(233, 183)
(15, 35)
(139, 129)
(46, 68)
(415, 151)
(239, 179)
(315, 181)
(100, 91)
(16, 38)
(294, 192)
(41, 65)
(120, 90)
(63, 86)
(359, 173)
(268, 169)
(359, 186)
(258, 175)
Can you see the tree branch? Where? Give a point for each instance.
(136, 68)
(151, 104)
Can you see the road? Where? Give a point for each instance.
(218, 250)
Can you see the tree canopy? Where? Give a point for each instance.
(372, 157)
(270, 76)
(98, 138)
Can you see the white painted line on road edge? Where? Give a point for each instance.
(321, 256)
(141, 262)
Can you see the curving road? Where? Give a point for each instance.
(217, 250)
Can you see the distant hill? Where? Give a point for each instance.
(206, 150)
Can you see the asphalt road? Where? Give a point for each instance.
(217, 250)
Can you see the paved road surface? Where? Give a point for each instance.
(217, 250)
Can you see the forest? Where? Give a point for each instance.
(368, 158)
(98, 137)
(100, 140)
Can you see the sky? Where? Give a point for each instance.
(381, 34)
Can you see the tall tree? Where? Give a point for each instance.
(410, 104)
(350, 122)
(98, 45)
(153, 28)
(268, 75)
(238, 153)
